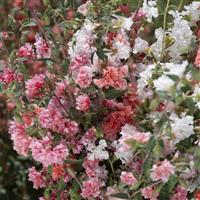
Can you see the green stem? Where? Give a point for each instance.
(180, 5)
(164, 26)
(111, 165)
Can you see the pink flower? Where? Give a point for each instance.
(46, 153)
(114, 77)
(130, 133)
(52, 118)
(84, 77)
(197, 60)
(88, 137)
(90, 166)
(113, 122)
(37, 178)
(34, 85)
(26, 51)
(8, 76)
(150, 193)
(91, 188)
(42, 47)
(83, 102)
(163, 171)
(128, 178)
(181, 194)
(20, 138)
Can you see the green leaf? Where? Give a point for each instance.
(158, 149)
(197, 158)
(154, 104)
(167, 188)
(112, 93)
(120, 195)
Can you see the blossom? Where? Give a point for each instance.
(42, 47)
(26, 51)
(182, 127)
(113, 77)
(140, 45)
(183, 36)
(176, 69)
(150, 193)
(197, 59)
(83, 9)
(128, 178)
(39, 180)
(113, 122)
(181, 194)
(44, 152)
(7, 76)
(84, 77)
(52, 118)
(19, 137)
(196, 95)
(162, 171)
(163, 83)
(150, 9)
(57, 172)
(98, 152)
(34, 85)
(83, 102)
(91, 188)
(129, 133)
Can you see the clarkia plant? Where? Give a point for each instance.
(105, 97)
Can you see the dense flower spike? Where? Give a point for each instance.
(105, 98)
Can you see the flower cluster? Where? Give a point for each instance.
(106, 109)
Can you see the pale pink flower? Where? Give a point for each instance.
(88, 137)
(83, 9)
(130, 133)
(19, 137)
(91, 188)
(26, 51)
(78, 62)
(34, 85)
(197, 60)
(163, 171)
(42, 47)
(128, 178)
(83, 102)
(46, 153)
(37, 178)
(84, 77)
(150, 193)
(114, 77)
(181, 194)
(52, 118)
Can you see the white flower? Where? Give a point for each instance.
(176, 69)
(145, 76)
(127, 23)
(98, 152)
(150, 9)
(122, 45)
(182, 128)
(157, 46)
(183, 36)
(140, 45)
(193, 12)
(196, 95)
(163, 83)
(124, 156)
